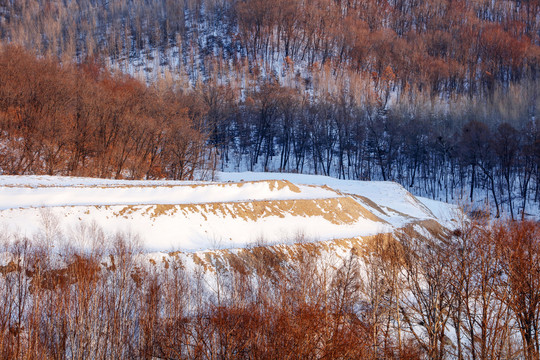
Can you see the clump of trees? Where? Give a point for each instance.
(472, 294)
(66, 119)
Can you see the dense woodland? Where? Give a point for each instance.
(83, 120)
(439, 95)
(474, 295)
(438, 45)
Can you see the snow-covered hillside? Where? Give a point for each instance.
(240, 210)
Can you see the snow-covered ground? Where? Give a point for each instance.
(386, 194)
(239, 210)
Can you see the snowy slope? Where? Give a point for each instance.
(240, 210)
(138, 194)
(388, 195)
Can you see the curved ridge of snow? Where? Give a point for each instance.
(386, 194)
(134, 194)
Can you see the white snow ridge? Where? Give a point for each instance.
(238, 211)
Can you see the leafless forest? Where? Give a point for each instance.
(475, 295)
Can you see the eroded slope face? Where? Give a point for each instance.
(194, 216)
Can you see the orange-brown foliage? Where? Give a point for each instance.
(82, 120)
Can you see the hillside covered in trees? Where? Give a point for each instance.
(438, 95)
(441, 96)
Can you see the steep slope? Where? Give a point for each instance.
(243, 209)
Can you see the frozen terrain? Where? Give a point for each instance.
(239, 210)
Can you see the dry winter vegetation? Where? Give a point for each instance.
(474, 294)
(82, 120)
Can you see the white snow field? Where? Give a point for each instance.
(239, 210)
